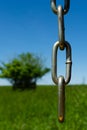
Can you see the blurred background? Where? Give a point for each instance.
(31, 26)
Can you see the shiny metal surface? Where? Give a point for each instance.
(61, 81)
(61, 27)
(68, 62)
(61, 98)
(66, 6)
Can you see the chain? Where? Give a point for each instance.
(66, 6)
(61, 44)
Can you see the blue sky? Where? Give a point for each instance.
(31, 26)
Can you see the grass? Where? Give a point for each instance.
(37, 109)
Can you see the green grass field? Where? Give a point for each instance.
(37, 109)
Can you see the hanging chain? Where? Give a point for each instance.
(62, 44)
(66, 6)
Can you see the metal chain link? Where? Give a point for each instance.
(61, 27)
(68, 62)
(66, 6)
(62, 44)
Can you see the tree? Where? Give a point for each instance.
(23, 71)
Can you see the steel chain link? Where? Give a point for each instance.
(62, 44)
(66, 6)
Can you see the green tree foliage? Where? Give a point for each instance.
(23, 71)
